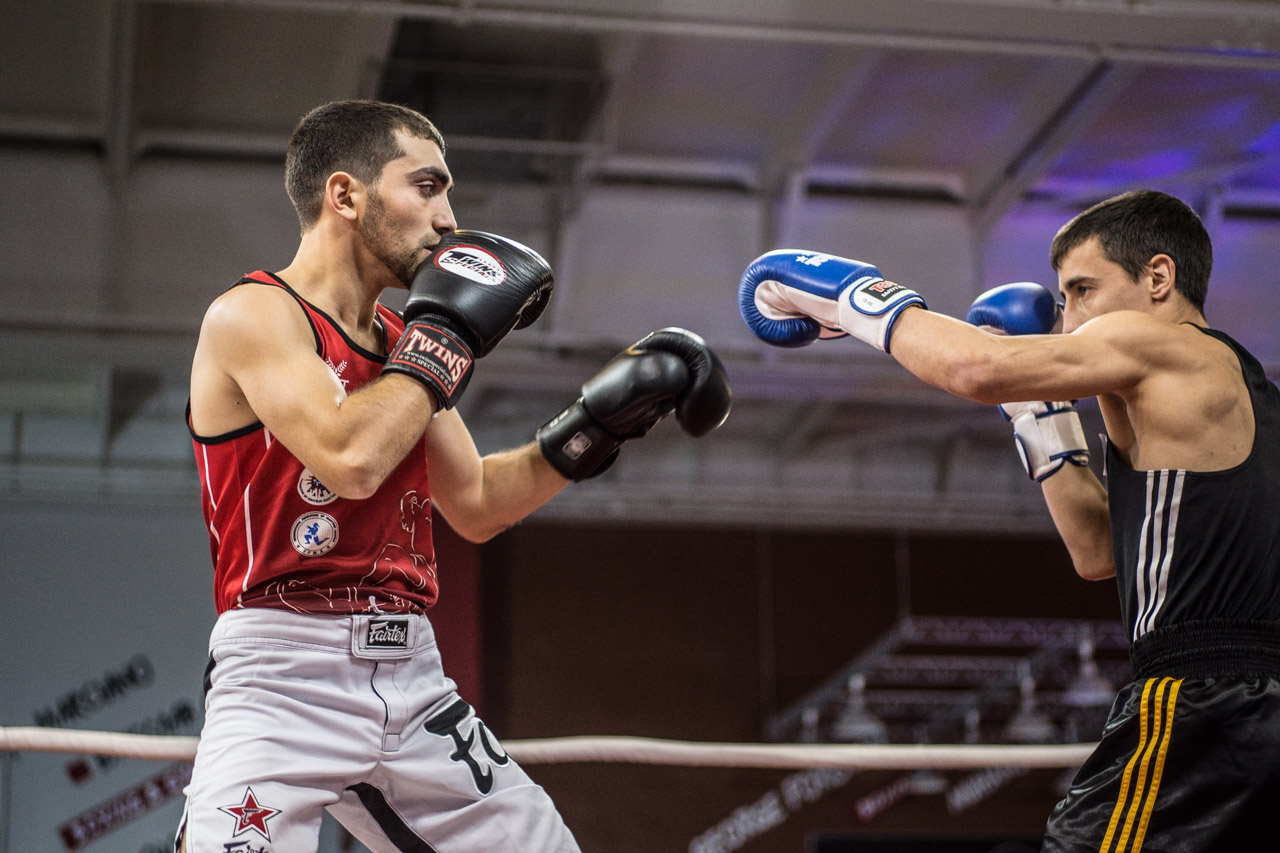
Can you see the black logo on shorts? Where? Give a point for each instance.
(449, 724)
(388, 634)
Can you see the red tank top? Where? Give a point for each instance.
(280, 539)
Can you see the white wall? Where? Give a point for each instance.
(95, 591)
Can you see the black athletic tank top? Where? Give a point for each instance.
(1197, 553)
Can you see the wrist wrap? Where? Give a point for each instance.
(431, 352)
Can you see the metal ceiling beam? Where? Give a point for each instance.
(274, 145)
(795, 139)
(1222, 34)
(1074, 117)
(1037, 102)
(120, 108)
(602, 128)
(601, 134)
(653, 168)
(821, 102)
(52, 129)
(377, 48)
(119, 155)
(1218, 174)
(938, 182)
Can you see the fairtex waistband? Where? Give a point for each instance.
(1209, 648)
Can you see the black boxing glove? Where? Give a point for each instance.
(668, 370)
(464, 299)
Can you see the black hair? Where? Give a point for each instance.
(346, 136)
(1135, 227)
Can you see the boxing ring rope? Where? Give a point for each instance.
(634, 750)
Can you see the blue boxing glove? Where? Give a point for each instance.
(790, 298)
(1047, 435)
(1020, 308)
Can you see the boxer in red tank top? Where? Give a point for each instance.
(280, 538)
(326, 436)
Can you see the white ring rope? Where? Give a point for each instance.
(636, 750)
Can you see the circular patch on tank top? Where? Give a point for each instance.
(313, 491)
(315, 533)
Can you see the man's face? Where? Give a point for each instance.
(1091, 286)
(408, 210)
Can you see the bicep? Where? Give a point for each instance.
(266, 348)
(994, 368)
(1105, 356)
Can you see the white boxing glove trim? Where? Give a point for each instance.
(777, 301)
(870, 306)
(1047, 438)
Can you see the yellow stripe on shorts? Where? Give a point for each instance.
(1153, 741)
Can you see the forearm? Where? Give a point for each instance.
(960, 358)
(668, 370)
(1077, 502)
(508, 486)
(368, 434)
(518, 482)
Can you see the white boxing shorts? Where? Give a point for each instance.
(352, 714)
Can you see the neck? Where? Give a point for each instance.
(1185, 313)
(331, 271)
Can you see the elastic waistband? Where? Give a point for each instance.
(1209, 648)
(363, 635)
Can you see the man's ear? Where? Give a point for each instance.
(344, 195)
(1164, 273)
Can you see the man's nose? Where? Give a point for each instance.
(444, 222)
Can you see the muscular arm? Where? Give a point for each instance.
(481, 497)
(993, 368)
(1101, 357)
(256, 360)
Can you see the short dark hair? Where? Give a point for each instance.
(1135, 227)
(346, 136)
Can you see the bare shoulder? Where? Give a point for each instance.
(1128, 327)
(244, 330)
(1192, 409)
(1156, 344)
(252, 314)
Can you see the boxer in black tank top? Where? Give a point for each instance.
(1190, 757)
(1188, 521)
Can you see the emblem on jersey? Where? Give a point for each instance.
(338, 369)
(315, 533)
(472, 262)
(313, 491)
(250, 815)
(388, 634)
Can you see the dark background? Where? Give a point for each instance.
(701, 634)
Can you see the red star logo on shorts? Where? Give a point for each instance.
(250, 814)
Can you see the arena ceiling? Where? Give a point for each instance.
(1066, 101)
